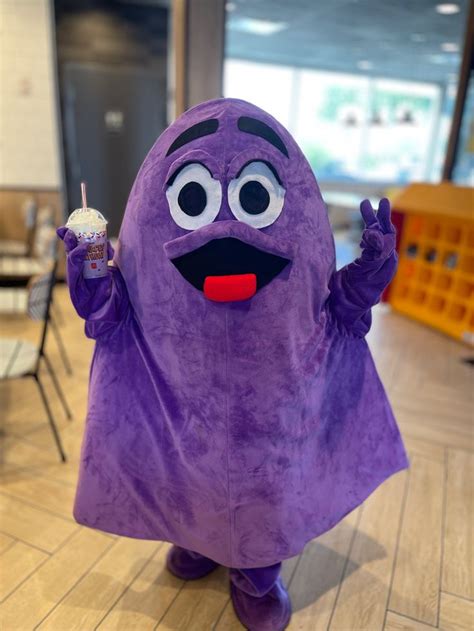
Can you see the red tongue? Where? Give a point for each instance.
(230, 288)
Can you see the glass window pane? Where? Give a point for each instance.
(400, 131)
(368, 88)
(464, 165)
(328, 122)
(258, 83)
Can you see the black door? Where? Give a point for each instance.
(111, 116)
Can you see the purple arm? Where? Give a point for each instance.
(356, 288)
(102, 302)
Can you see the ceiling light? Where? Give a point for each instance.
(447, 8)
(365, 64)
(256, 27)
(230, 6)
(349, 115)
(404, 115)
(450, 47)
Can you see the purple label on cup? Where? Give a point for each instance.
(90, 226)
(95, 264)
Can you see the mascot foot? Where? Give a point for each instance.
(188, 565)
(271, 612)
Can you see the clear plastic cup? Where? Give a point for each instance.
(90, 226)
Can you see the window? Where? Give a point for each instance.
(350, 127)
(464, 166)
(258, 84)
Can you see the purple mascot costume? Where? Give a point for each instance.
(234, 406)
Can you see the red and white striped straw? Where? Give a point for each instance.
(84, 196)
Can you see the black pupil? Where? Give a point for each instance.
(254, 197)
(192, 199)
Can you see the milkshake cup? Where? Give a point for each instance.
(90, 226)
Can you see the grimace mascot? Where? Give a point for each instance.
(234, 406)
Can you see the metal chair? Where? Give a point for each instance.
(14, 300)
(20, 358)
(17, 271)
(55, 319)
(25, 246)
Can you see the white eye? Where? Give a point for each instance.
(194, 197)
(256, 197)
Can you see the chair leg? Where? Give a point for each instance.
(61, 347)
(57, 387)
(58, 311)
(52, 423)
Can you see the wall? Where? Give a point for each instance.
(28, 115)
(196, 68)
(104, 32)
(110, 37)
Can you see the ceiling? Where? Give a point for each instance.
(395, 39)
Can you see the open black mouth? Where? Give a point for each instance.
(229, 260)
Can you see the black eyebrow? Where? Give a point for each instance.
(258, 128)
(204, 128)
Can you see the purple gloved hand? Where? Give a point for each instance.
(378, 238)
(356, 288)
(102, 302)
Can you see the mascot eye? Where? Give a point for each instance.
(256, 197)
(194, 197)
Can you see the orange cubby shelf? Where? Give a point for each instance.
(435, 279)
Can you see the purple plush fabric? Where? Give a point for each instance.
(270, 611)
(258, 594)
(188, 565)
(256, 582)
(239, 430)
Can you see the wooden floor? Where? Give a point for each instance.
(402, 561)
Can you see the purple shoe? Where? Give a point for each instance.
(188, 565)
(271, 612)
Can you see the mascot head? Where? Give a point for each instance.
(225, 210)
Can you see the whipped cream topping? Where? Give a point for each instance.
(90, 217)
